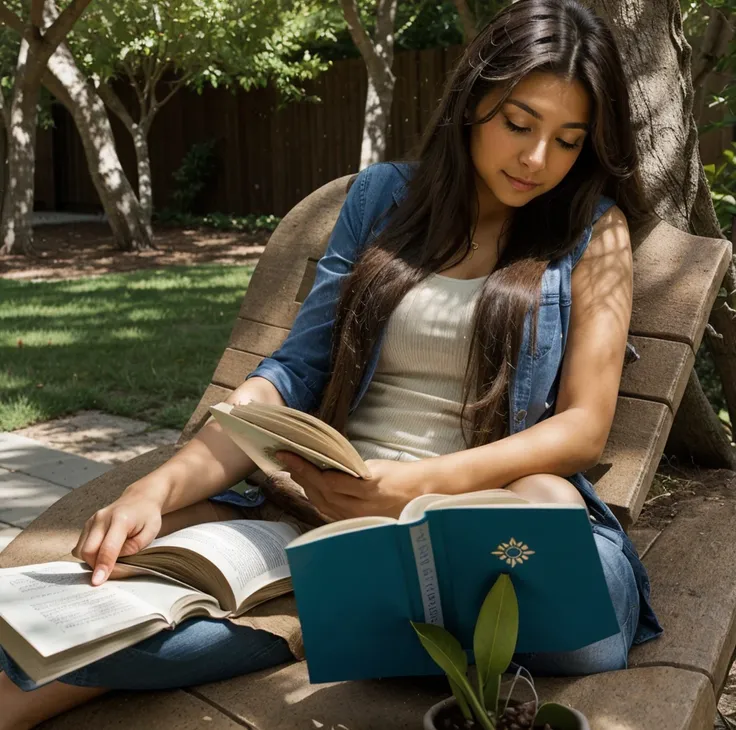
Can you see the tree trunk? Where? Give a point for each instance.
(143, 161)
(16, 234)
(378, 102)
(124, 213)
(139, 134)
(378, 54)
(37, 45)
(657, 62)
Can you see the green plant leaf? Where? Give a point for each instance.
(462, 701)
(447, 653)
(494, 640)
(558, 716)
(444, 649)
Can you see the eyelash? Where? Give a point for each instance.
(513, 128)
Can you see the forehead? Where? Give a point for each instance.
(556, 99)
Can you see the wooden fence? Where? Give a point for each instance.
(268, 158)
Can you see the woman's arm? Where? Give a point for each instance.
(209, 463)
(573, 439)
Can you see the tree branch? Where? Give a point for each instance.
(10, 19)
(63, 24)
(358, 33)
(467, 19)
(384, 36)
(37, 13)
(130, 71)
(175, 86)
(112, 100)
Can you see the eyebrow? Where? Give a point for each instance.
(537, 115)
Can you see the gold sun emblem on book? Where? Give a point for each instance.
(513, 552)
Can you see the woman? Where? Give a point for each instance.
(434, 338)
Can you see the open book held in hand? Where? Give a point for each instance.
(359, 582)
(262, 429)
(53, 621)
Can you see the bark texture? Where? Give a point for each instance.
(41, 35)
(124, 213)
(378, 54)
(16, 235)
(657, 60)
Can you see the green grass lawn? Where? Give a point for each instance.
(141, 344)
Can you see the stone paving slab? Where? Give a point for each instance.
(100, 436)
(24, 497)
(39, 464)
(7, 533)
(83, 426)
(21, 454)
(122, 449)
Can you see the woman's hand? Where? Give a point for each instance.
(339, 496)
(122, 528)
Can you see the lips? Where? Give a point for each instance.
(522, 182)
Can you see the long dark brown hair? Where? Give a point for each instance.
(434, 223)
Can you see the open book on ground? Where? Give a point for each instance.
(262, 429)
(52, 620)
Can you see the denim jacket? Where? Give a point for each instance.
(300, 368)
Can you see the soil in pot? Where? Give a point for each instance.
(516, 717)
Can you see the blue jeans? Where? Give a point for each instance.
(607, 654)
(204, 650)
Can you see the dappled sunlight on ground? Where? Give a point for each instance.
(87, 249)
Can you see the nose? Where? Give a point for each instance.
(533, 156)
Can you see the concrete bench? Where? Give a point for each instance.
(673, 683)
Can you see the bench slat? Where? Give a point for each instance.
(234, 365)
(256, 337)
(213, 394)
(676, 280)
(151, 710)
(662, 372)
(286, 269)
(624, 474)
(638, 699)
(692, 568)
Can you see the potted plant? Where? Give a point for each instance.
(494, 643)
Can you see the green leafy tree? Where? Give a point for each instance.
(63, 80)
(158, 47)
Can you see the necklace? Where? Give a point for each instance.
(473, 248)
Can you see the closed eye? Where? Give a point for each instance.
(513, 128)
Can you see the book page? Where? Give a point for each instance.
(54, 606)
(416, 509)
(301, 426)
(249, 553)
(261, 445)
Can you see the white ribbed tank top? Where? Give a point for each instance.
(411, 409)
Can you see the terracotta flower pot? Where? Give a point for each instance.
(433, 713)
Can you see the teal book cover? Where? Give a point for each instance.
(358, 585)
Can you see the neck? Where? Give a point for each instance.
(491, 211)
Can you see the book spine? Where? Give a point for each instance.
(445, 589)
(426, 571)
